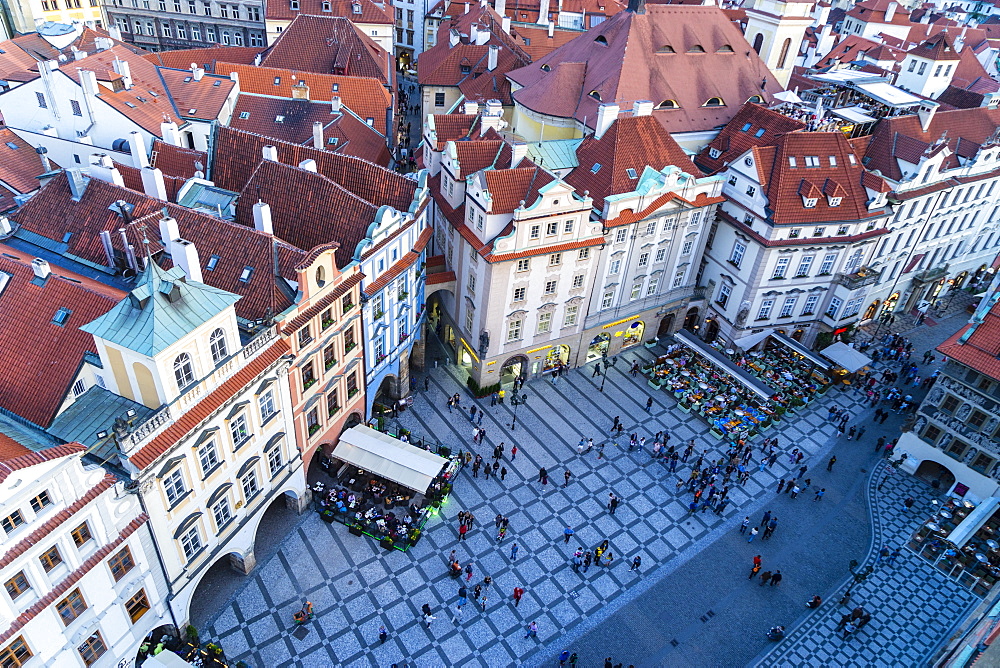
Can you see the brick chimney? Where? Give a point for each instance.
(607, 114)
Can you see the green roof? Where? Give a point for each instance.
(93, 411)
(554, 153)
(162, 309)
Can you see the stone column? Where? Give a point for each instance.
(243, 563)
(419, 351)
(299, 503)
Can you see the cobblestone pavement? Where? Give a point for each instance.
(356, 587)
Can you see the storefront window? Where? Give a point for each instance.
(555, 355)
(633, 334)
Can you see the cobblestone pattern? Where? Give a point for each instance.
(355, 587)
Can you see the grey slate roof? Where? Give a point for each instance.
(95, 410)
(162, 308)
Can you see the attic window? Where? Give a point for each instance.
(187, 79)
(326, 7)
(631, 173)
(246, 274)
(192, 112)
(669, 104)
(714, 152)
(67, 237)
(154, 93)
(336, 87)
(791, 162)
(809, 202)
(141, 99)
(835, 201)
(546, 68)
(833, 161)
(756, 99)
(596, 168)
(715, 102)
(370, 121)
(812, 161)
(666, 48)
(725, 48)
(12, 145)
(746, 126)
(212, 262)
(277, 81)
(759, 133)
(356, 7)
(293, 4)
(465, 69)
(851, 159)
(244, 115)
(601, 39)
(61, 316)
(594, 94)
(218, 82)
(129, 104)
(279, 119)
(697, 48)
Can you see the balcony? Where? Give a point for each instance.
(859, 279)
(932, 274)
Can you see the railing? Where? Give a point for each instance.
(192, 394)
(859, 279)
(933, 273)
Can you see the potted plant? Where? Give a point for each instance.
(651, 343)
(327, 515)
(414, 537)
(191, 634)
(378, 315)
(778, 412)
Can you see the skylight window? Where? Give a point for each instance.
(279, 119)
(759, 133)
(277, 81)
(12, 145)
(336, 87)
(246, 274)
(812, 161)
(218, 82)
(4, 280)
(745, 127)
(244, 115)
(187, 79)
(61, 316)
(791, 162)
(596, 168)
(631, 173)
(212, 261)
(191, 112)
(130, 105)
(67, 237)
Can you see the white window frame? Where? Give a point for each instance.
(545, 322)
(514, 329)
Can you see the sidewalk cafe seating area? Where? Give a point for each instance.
(962, 540)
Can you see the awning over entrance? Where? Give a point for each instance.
(974, 521)
(724, 363)
(748, 342)
(801, 350)
(845, 356)
(389, 457)
(165, 659)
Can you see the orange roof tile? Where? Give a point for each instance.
(30, 459)
(981, 350)
(19, 163)
(370, 11)
(10, 449)
(206, 58)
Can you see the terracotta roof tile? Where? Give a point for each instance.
(199, 412)
(203, 99)
(56, 520)
(41, 358)
(981, 351)
(371, 12)
(71, 579)
(329, 45)
(612, 164)
(9, 448)
(628, 216)
(476, 154)
(19, 163)
(402, 264)
(734, 140)
(510, 187)
(176, 161)
(627, 61)
(806, 241)
(440, 277)
(302, 318)
(451, 127)
(205, 58)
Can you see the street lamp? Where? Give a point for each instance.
(607, 364)
(859, 577)
(517, 398)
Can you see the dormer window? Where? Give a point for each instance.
(809, 202)
(465, 69)
(326, 7)
(356, 7)
(666, 48)
(715, 102)
(756, 99)
(697, 48)
(546, 68)
(601, 39)
(293, 5)
(594, 94)
(714, 152)
(725, 48)
(669, 104)
(835, 201)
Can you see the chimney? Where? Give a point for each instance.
(185, 255)
(505, 24)
(636, 6)
(890, 11)
(170, 133)
(492, 117)
(168, 231)
(115, 33)
(470, 107)
(122, 68)
(5, 227)
(137, 146)
(925, 112)
(309, 165)
(474, 33)
(607, 114)
(960, 40)
(482, 37)
(41, 268)
(642, 108)
(152, 183)
(491, 59)
(43, 155)
(262, 218)
(88, 82)
(552, 30)
(500, 7)
(77, 183)
(78, 54)
(103, 167)
(234, 76)
(318, 135)
(300, 91)
(103, 43)
(518, 151)
(270, 153)
(197, 73)
(335, 104)
(543, 12)
(454, 37)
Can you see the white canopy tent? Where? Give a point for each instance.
(974, 521)
(888, 94)
(749, 341)
(165, 659)
(855, 114)
(845, 356)
(787, 96)
(389, 457)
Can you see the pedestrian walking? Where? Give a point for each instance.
(795, 491)
(383, 635)
(462, 530)
(765, 577)
(503, 473)
(532, 630)
(567, 534)
(781, 485)
(753, 534)
(513, 452)
(829, 464)
(513, 552)
(636, 563)
(767, 518)
(563, 657)
(776, 578)
(649, 405)
(566, 476)
(468, 572)
(518, 593)
(745, 524)
(894, 555)
(819, 494)
(542, 474)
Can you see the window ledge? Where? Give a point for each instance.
(210, 472)
(178, 501)
(268, 418)
(239, 445)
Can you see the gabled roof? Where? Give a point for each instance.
(450, 127)
(936, 48)
(476, 154)
(785, 185)
(205, 58)
(873, 11)
(981, 350)
(20, 55)
(194, 99)
(51, 218)
(741, 134)
(329, 45)
(902, 138)
(631, 143)
(851, 47)
(358, 11)
(176, 161)
(688, 54)
(510, 187)
(40, 357)
(368, 98)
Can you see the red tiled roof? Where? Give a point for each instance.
(440, 277)
(202, 99)
(30, 459)
(40, 358)
(132, 178)
(981, 351)
(205, 58)
(628, 216)
(626, 61)
(848, 50)
(510, 187)
(451, 127)
(368, 98)
(329, 45)
(936, 48)
(176, 161)
(545, 250)
(71, 579)
(195, 415)
(10, 449)
(873, 11)
(19, 163)
(631, 143)
(53, 214)
(371, 12)
(807, 241)
(331, 298)
(56, 520)
(476, 154)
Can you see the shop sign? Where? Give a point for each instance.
(618, 322)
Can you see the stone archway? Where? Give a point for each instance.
(872, 310)
(514, 366)
(218, 582)
(712, 330)
(935, 473)
(666, 324)
(691, 320)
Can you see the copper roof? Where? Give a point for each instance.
(41, 357)
(688, 54)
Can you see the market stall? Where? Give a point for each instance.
(385, 488)
(847, 362)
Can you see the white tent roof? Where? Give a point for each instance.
(787, 96)
(844, 76)
(165, 659)
(749, 341)
(389, 457)
(888, 94)
(854, 114)
(974, 521)
(845, 356)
